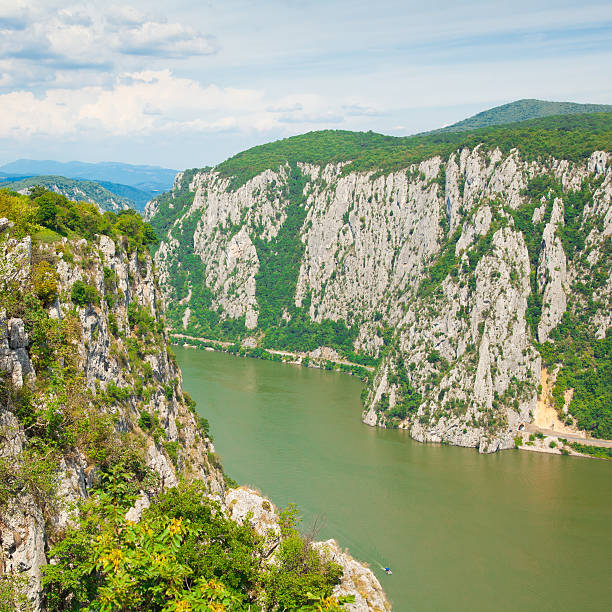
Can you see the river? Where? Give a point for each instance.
(461, 531)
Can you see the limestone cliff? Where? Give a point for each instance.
(89, 385)
(445, 273)
(122, 377)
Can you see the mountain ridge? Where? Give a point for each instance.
(522, 110)
(144, 177)
(74, 189)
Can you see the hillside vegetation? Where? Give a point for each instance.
(570, 137)
(90, 394)
(522, 110)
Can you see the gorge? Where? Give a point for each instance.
(464, 275)
(462, 266)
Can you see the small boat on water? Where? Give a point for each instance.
(387, 570)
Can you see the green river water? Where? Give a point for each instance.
(461, 531)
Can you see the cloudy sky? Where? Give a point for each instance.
(189, 82)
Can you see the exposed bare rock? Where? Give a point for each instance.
(371, 247)
(103, 357)
(357, 579)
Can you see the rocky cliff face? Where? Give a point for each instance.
(123, 377)
(89, 382)
(445, 274)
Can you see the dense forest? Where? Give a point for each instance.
(522, 110)
(570, 137)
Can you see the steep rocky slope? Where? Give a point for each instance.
(456, 274)
(107, 376)
(90, 389)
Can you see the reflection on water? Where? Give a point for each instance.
(462, 531)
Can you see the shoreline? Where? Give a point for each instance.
(531, 439)
(322, 359)
(556, 444)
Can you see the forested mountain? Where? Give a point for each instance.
(138, 197)
(465, 266)
(521, 110)
(145, 178)
(73, 189)
(108, 475)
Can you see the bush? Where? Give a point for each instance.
(300, 572)
(44, 281)
(84, 295)
(145, 421)
(182, 555)
(140, 319)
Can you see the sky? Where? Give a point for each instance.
(189, 83)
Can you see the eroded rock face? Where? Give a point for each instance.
(375, 249)
(14, 358)
(358, 580)
(103, 356)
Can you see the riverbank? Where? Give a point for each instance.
(322, 358)
(542, 441)
(438, 515)
(532, 439)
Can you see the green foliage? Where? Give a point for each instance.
(173, 204)
(75, 189)
(601, 452)
(145, 421)
(441, 266)
(586, 368)
(45, 282)
(13, 597)
(564, 137)
(184, 554)
(539, 188)
(572, 232)
(140, 319)
(280, 258)
(54, 216)
(409, 399)
(18, 209)
(300, 573)
(84, 295)
(187, 272)
(113, 564)
(276, 281)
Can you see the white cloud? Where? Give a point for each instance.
(43, 38)
(167, 39)
(155, 101)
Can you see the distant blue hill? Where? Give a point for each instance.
(138, 196)
(6, 178)
(76, 190)
(144, 178)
